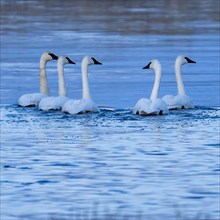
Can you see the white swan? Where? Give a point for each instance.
(33, 99)
(154, 105)
(180, 101)
(85, 104)
(56, 103)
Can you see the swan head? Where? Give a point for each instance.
(88, 60)
(65, 60)
(48, 55)
(183, 60)
(154, 64)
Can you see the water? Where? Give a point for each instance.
(54, 164)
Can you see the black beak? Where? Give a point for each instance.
(189, 61)
(70, 61)
(148, 66)
(54, 57)
(96, 62)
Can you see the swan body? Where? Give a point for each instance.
(33, 99)
(150, 107)
(154, 105)
(79, 106)
(181, 100)
(85, 104)
(178, 102)
(169, 100)
(52, 102)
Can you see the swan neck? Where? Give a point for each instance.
(43, 78)
(85, 82)
(61, 80)
(156, 87)
(180, 85)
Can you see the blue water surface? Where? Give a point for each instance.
(55, 165)
(63, 164)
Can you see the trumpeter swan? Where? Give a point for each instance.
(85, 104)
(52, 102)
(154, 105)
(33, 99)
(181, 100)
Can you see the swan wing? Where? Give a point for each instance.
(52, 103)
(170, 102)
(159, 107)
(72, 107)
(89, 106)
(80, 106)
(31, 99)
(142, 107)
(184, 101)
